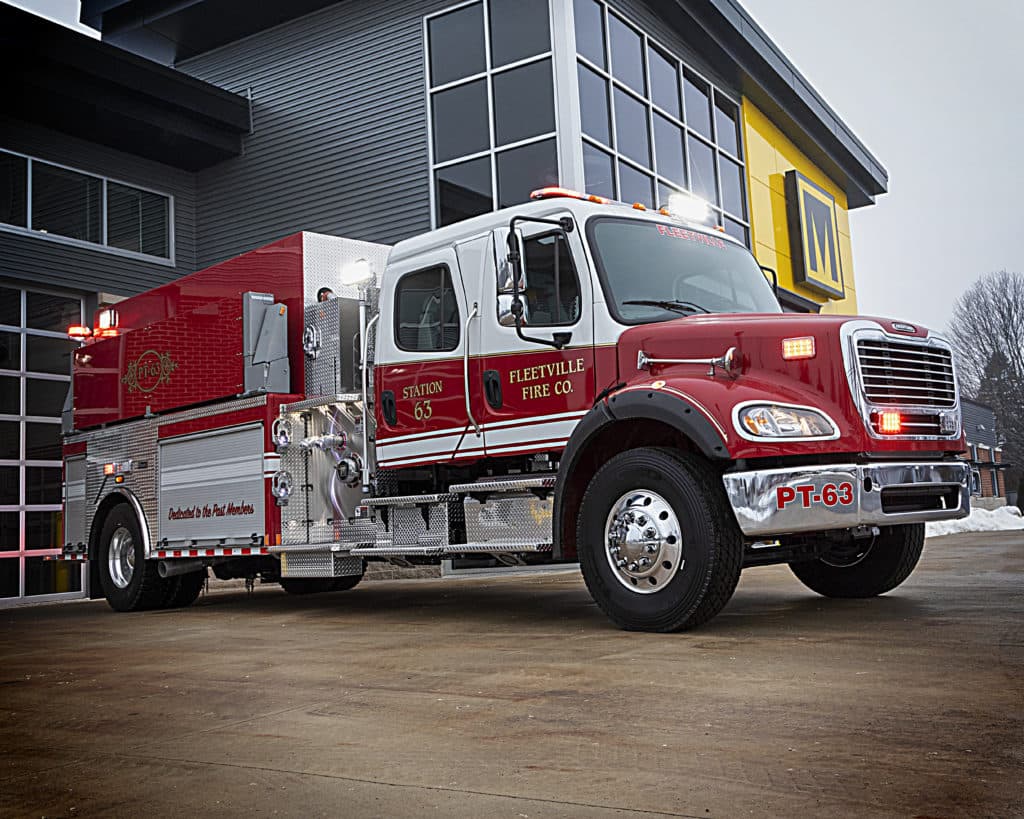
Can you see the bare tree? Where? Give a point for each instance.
(987, 332)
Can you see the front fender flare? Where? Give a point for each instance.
(634, 405)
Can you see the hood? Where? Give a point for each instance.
(762, 374)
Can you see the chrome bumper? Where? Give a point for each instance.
(819, 498)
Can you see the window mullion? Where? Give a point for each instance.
(28, 193)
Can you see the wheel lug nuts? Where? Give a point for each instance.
(650, 532)
(614, 550)
(620, 562)
(641, 519)
(633, 566)
(651, 548)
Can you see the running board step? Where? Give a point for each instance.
(524, 484)
(452, 549)
(318, 547)
(410, 500)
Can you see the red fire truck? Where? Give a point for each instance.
(567, 380)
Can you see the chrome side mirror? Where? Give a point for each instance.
(506, 314)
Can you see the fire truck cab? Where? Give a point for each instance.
(568, 380)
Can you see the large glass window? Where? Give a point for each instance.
(34, 381)
(662, 125)
(55, 201)
(426, 312)
(492, 106)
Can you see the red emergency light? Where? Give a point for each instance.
(79, 332)
(890, 422)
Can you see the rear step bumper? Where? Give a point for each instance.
(820, 498)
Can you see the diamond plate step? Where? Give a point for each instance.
(453, 549)
(505, 485)
(410, 500)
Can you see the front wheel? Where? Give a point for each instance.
(873, 569)
(658, 544)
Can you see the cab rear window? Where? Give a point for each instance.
(427, 312)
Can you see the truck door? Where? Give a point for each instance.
(419, 379)
(534, 394)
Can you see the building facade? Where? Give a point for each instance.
(194, 132)
(984, 450)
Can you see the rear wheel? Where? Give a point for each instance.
(128, 580)
(185, 589)
(318, 585)
(866, 571)
(658, 545)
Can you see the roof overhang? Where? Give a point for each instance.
(174, 30)
(96, 91)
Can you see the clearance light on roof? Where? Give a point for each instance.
(79, 333)
(567, 193)
(890, 422)
(795, 349)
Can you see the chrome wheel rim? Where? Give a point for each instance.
(121, 557)
(643, 541)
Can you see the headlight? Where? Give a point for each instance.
(783, 421)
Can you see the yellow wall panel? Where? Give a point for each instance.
(769, 156)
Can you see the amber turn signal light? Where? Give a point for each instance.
(794, 349)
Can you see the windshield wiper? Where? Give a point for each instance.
(685, 307)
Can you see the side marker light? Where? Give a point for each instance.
(795, 349)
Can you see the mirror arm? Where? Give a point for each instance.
(775, 278)
(558, 340)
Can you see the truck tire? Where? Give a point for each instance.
(318, 585)
(669, 509)
(129, 581)
(888, 561)
(184, 589)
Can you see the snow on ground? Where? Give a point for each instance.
(1002, 519)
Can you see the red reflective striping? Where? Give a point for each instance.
(246, 550)
(193, 553)
(210, 552)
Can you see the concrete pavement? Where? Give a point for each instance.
(515, 697)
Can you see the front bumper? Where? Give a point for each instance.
(820, 498)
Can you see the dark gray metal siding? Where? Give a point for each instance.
(976, 416)
(40, 261)
(339, 117)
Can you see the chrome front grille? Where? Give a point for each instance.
(905, 374)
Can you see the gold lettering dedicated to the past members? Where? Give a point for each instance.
(546, 373)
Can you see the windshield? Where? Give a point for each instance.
(674, 271)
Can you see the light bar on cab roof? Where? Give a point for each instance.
(555, 192)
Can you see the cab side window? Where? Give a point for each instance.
(427, 312)
(552, 291)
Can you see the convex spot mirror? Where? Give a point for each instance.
(506, 313)
(506, 283)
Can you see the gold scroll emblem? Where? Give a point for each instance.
(149, 371)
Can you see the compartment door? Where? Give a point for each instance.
(211, 486)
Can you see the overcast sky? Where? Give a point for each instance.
(936, 92)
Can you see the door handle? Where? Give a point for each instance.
(492, 388)
(388, 407)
